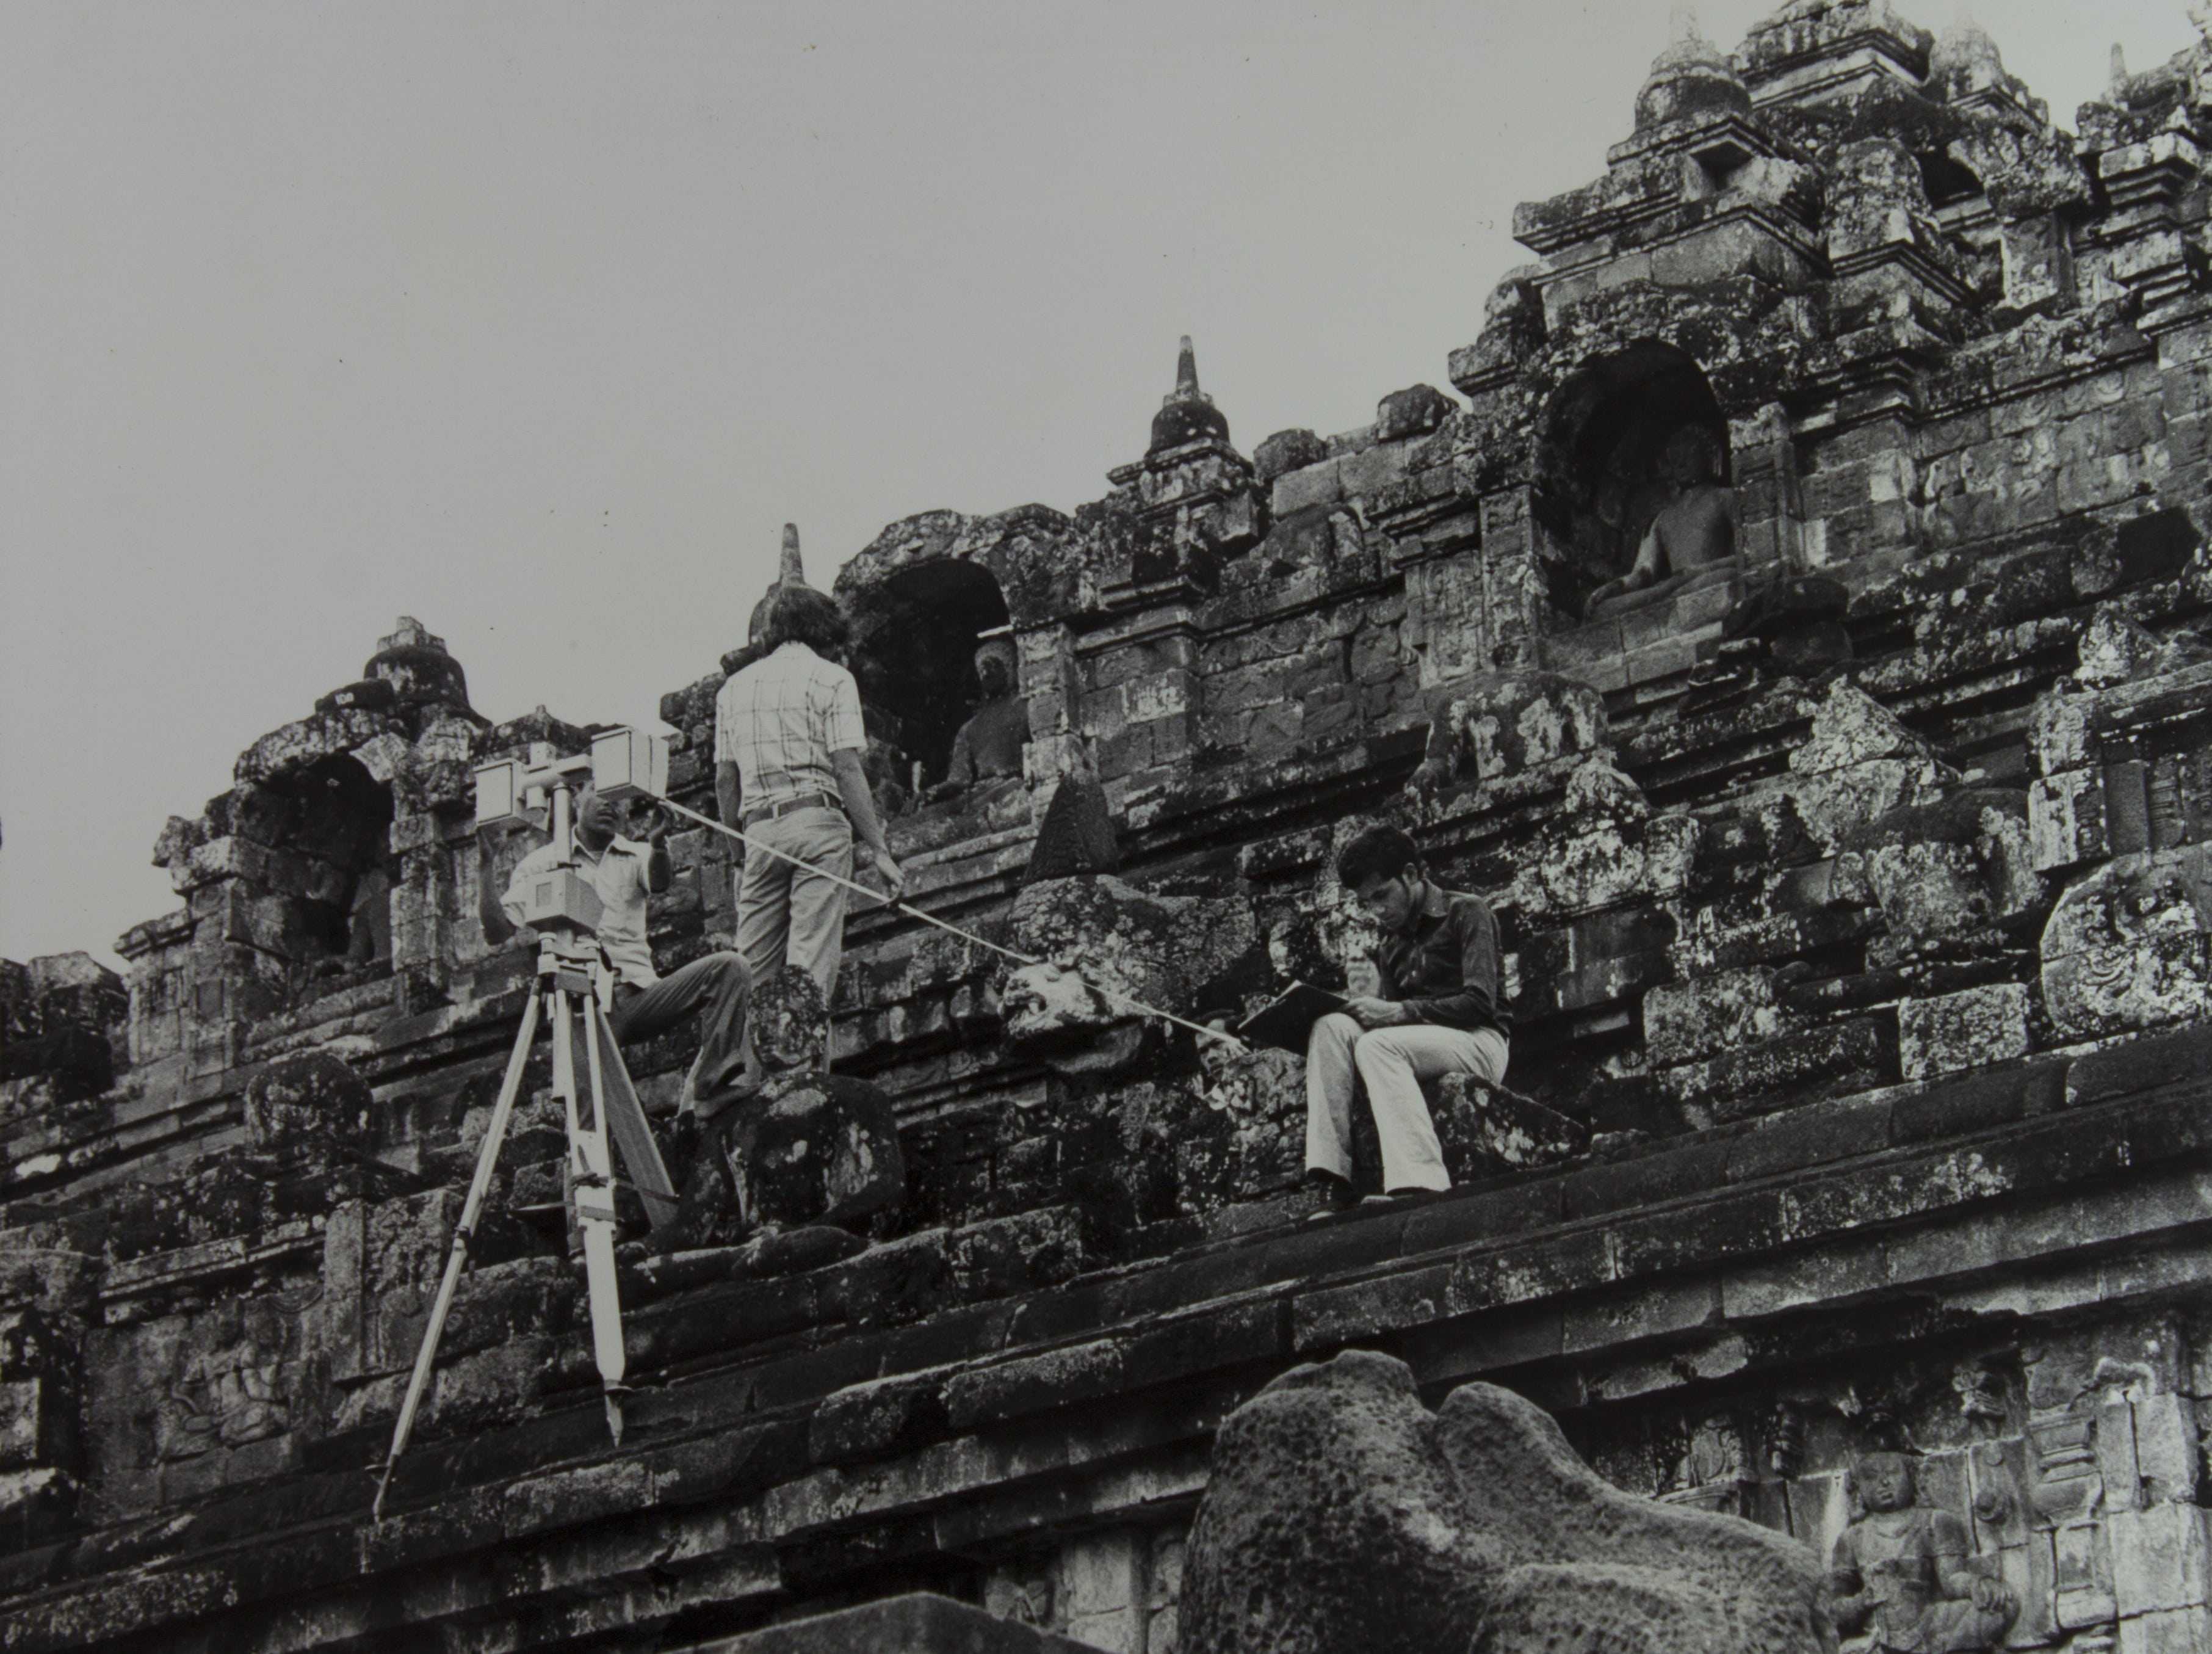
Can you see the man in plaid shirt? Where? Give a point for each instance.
(788, 745)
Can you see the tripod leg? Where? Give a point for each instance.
(593, 1180)
(640, 1155)
(487, 1158)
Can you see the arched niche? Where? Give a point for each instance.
(1947, 180)
(1599, 446)
(914, 634)
(327, 825)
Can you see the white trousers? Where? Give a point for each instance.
(1393, 1062)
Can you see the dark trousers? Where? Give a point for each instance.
(718, 983)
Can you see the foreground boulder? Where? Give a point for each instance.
(1343, 1514)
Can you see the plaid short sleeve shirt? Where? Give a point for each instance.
(779, 720)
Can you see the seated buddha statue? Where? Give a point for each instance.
(1691, 540)
(988, 746)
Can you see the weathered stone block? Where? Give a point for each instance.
(1686, 1021)
(1604, 847)
(1965, 1029)
(2125, 947)
(1312, 485)
(311, 1110)
(1499, 1128)
(1033, 1384)
(2167, 1451)
(1287, 451)
(917, 1624)
(60, 1018)
(823, 1151)
(1792, 1068)
(1504, 724)
(2159, 1558)
(868, 1420)
(2066, 819)
(1410, 413)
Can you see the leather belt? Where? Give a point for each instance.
(770, 812)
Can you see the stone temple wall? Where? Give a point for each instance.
(1856, 902)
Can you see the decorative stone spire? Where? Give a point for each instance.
(1186, 388)
(1187, 413)
(1190, 482)
(2116, 73)
(1691, 76)
(790, 571)
(414, 663)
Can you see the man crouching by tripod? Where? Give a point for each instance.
(1438, 1014)
(625, 872)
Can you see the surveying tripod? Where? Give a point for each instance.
(573, 994)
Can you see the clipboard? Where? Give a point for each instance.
(1285, 1022)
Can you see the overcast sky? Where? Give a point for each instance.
(537, 321)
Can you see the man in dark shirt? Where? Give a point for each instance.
(1436, 1014)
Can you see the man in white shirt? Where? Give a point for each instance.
(625, 872)
(788, 745)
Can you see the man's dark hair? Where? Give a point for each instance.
(799, 614)
(1376, 853)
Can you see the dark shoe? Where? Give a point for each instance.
(1337, 1196)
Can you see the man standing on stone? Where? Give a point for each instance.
(787, 744)
(626, 872)
(1436, 1014)
(989, 745)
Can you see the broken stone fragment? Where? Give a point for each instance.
(2115, 649)
(61, 1020)
(1410, 413)
(1604, 847)
(1342, 1514)
(1946, 869)
(1857, 764)
(1288, 451)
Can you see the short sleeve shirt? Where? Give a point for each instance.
(619, 876)
(780, 719)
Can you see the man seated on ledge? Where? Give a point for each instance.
(625, 872)
(1436, 1014)
(1691, 542)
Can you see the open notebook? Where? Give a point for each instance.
(1285, 1021)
